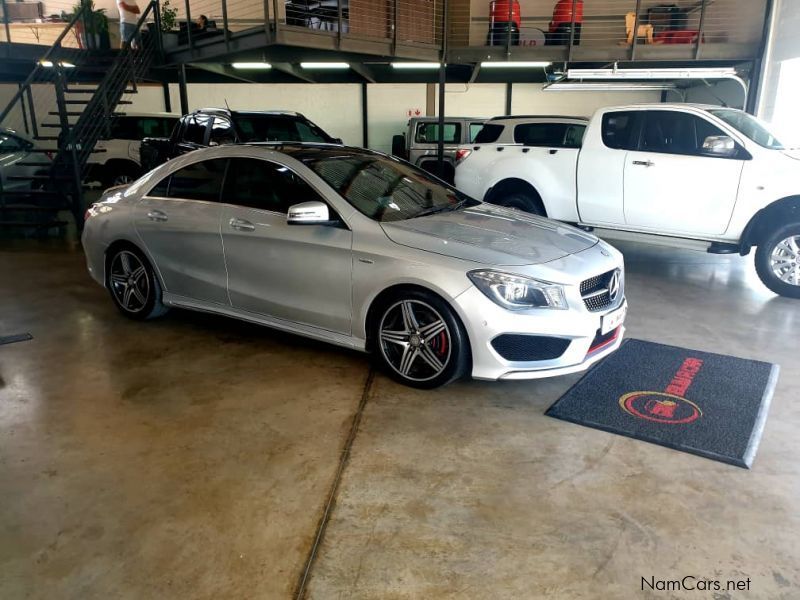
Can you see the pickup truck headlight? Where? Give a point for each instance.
(515, 292)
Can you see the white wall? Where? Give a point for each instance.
(475, 100)
(785, 46)
(389, 105)
(530, 99)
(726, 91)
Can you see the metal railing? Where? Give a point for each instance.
(398, 21)
(606, 23)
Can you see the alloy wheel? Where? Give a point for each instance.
(785, 260)
(129, 281)
(415, 340)
(121, 180)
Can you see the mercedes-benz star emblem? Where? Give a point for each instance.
(613, 285)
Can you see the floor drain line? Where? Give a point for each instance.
(323, 522)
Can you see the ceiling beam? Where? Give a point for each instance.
(476, 69)
(363, 71)
(293, 70)
(225, 70)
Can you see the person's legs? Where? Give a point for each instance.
(127, 33)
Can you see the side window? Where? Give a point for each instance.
(160, 189)
(124, 128)
(221, 132)
(153, 127)
(619, 130)
(674, 132)
(474, 130)
(428, 133)
(198, 181)
(541, 134)
(264, 185)
(573, 138)
(194, 129)
(309, 133)
(489, 133)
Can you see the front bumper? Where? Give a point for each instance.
(485, 321)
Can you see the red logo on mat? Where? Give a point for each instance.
(669, 406)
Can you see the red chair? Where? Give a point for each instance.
(561, 25)
(499, 11)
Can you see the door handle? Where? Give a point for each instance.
(241, 225)
(644, 163)
(157, 215)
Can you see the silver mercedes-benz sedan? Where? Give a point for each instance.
(362, 250)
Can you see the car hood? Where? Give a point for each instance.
(490, 235)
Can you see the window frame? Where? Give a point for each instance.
(334, 213)
(421, 124)
(148, 193)
(634, 142)
(698, 153)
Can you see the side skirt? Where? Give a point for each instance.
(289, 326)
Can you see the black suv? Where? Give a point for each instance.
(217, 126)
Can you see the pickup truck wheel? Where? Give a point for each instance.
(119, 173)
(524, 202)
(778, 261)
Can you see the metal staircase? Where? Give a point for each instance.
(66, 105)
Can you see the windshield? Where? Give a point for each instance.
(279, 128)
(749, 126)
(385, 189)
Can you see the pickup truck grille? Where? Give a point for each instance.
(595, 291)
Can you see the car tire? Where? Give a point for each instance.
(420, 341)
(120, 173)
(133, 285)
(778, 261)
(524, 201)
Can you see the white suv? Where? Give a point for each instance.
(116, 159)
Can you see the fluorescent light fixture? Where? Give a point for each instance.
(689, 73)
(608, 87)
(252, 65)
(514, 64)
(49, 64)
(416, 65)
(324, 65)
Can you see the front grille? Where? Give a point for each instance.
(526, 348)
(595, 292)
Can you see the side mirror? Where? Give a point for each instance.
(309, 213)
(338, 141)
(399, 147)
(719, 145)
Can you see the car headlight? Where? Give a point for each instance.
(515, 292)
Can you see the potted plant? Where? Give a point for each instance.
(92, 27)
(169, 17)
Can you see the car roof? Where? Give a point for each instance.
(667, 106)
(538, 118)
(226, 111)
(149, 114)
(436, 119)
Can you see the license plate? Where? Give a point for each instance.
(613, 320)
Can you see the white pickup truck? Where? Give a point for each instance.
(676, 174)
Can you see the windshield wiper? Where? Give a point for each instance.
(440, 209)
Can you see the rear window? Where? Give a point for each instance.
(428, 133)
(559, 135)
(279, 128)
(619, 129)
(138, 128)
(489, 134)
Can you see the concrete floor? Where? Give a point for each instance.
(193, 457)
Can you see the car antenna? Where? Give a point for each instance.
(226, 105)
